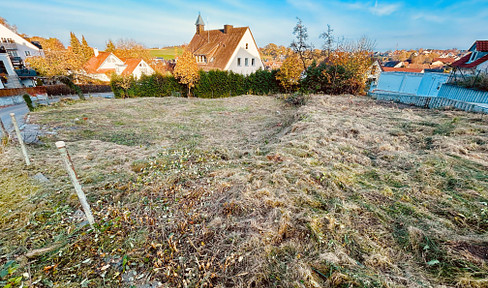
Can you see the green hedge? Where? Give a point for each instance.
(212, 84)
(155, 85)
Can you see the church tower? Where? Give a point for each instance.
(200, 24)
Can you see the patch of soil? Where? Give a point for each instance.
(477, 250)
(391, 104)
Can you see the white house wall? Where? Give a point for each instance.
(8, 65)
(241, 52)
(145, 69)
(100, 76)
(483, 67)
(22, 45)
(111, 62)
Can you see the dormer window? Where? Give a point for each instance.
(201, 59)
(473, 56)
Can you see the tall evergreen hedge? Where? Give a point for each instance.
(212, 84)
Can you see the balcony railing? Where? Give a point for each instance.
(26, 72)
(9, 46)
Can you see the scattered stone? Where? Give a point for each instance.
(129, 276)
(41, 178)
(78, 216)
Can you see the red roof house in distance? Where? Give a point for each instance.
(103, 64)
(402, 69)
(475, 61)
(228, 49)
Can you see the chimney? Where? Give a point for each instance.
(95, 51)
(228, 28)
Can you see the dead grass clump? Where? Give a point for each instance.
(231, 193)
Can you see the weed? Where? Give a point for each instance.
(236, 192)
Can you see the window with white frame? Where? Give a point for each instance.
(246, 61)
(27, 53)
(253, 62)
(238, 61)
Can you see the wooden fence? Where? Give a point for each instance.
(21, 91)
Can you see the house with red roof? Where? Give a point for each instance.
(475, 61)
(228, 49)
(103, 64)
(403, 69)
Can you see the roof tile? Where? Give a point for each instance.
(94, 63)
(217, 45)
(392, 69)
(482, 45)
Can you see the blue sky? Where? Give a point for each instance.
(404, 24)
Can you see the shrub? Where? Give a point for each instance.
(212, 84)
(479, 82)
(53, 90)
(263, 82)
(218, 84)
(331, 79)
(28, 102)
(295, 99)
(69, 82)
(155, 85)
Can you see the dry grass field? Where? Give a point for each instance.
(249, 192)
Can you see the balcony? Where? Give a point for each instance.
(9, 46)
(26, 73)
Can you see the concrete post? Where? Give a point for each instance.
(74, 179)
(21, 140)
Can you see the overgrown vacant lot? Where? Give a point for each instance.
(249, 192)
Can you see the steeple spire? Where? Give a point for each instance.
(200, 24)
(199, 20)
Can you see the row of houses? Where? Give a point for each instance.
(229, 49)
(404, 82)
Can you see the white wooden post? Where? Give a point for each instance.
(21, 140)
(74, 179)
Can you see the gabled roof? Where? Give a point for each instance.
(216, 45)
(463, 62)
(392, 69)
(131, 65)
(94, 62)
(446, 60)
(390, 63)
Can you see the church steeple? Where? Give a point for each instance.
(200, 24)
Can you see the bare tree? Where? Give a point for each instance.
(329, 40)
(300, 44)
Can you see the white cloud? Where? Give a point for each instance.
(429, 17)
(384, 9)
(378, 9)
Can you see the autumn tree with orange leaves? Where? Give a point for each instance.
(186, 70)
(57, 60)
(290, 72)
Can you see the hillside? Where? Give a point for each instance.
(249, 192)
(167, 53)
